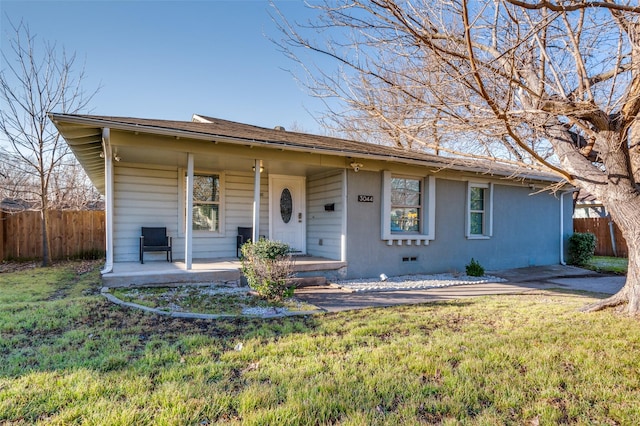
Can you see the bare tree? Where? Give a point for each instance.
(71, 189)
(546, 84)
(14, 182)
(34, 82)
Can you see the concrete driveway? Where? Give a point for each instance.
(519, 281)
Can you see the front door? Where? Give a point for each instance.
(287, 215)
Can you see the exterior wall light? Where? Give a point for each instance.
(356, 166)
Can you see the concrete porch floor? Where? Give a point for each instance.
(158, 273)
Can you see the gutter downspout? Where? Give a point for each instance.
(562, 261)
(108, 199)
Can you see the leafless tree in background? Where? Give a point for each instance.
(71, 189)
(14, 183)
(544, 84)
(36, 79)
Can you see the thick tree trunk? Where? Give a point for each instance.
(626, 215)
(45, 239)
(44, 210)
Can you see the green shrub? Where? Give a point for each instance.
(581, 248)
(474, 269)
(267, 266)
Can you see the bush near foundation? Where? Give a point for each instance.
(474, 269)
(581, 247)
(268, 267)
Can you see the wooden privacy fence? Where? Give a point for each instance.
(599, 226)
(71, 234)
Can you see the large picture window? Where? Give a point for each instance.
(406, 205)
(206, 202)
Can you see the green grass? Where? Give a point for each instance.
(70, 357)
(607, 264)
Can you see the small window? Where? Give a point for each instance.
(476, 211)
(206, 203)
(286, 205)
(479, 209)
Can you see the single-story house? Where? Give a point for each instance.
(366, 209)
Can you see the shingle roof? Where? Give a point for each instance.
(215, 127)
(210, 128)
(310, 141)
(17, 205)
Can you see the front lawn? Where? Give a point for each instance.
(608, 264)
(71, 357)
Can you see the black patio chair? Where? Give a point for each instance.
(155, 239)
(244, 235)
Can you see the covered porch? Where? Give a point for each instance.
(203, 182)
(222, 271)
(204, 196)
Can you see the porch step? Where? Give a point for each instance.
(161, 279)
(308, 271)
(308, 281)
(311, 264)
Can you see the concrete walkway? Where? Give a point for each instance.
(331, 298)
(519, 281)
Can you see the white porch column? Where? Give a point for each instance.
(188, 202)
(343, 231)
(256, 200)
(108, 199)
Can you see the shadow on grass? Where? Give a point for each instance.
(62, 323)
(523, 358)
(558, 291)
(98, 335)
(67, 325)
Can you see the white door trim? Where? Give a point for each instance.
(299, 209)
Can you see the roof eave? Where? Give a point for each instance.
(445, 164)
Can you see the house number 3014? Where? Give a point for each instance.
(365, 198)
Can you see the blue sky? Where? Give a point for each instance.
(170, 59)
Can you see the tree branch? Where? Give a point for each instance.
(574, 6)
(494, 106)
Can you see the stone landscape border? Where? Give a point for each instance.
(277, 312)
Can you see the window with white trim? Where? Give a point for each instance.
(406, 205)
(479, 210)
(408, 209)
(206, 202)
